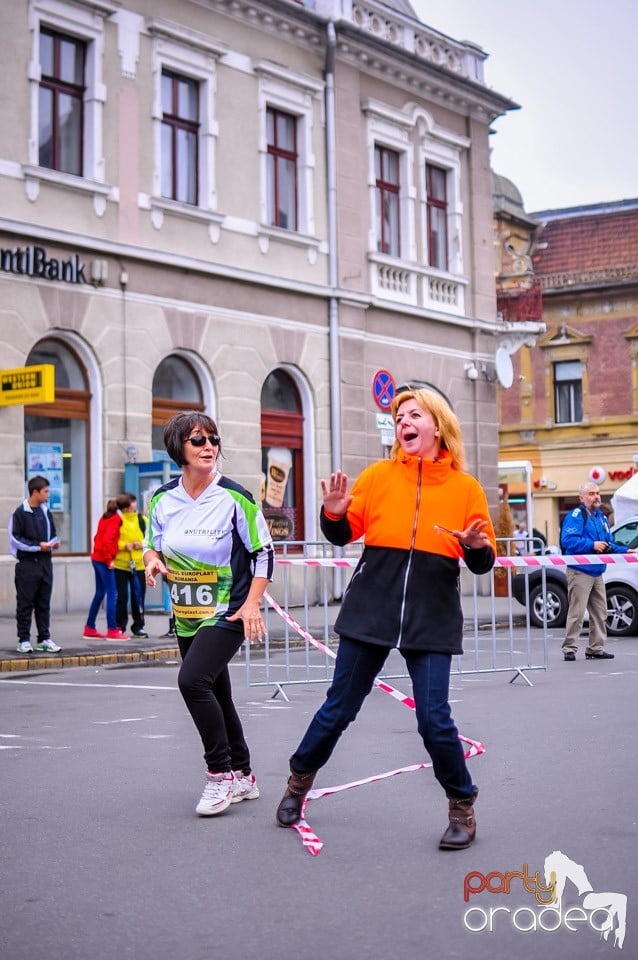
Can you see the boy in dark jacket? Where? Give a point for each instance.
(33, 539)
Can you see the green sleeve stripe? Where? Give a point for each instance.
(250, 511)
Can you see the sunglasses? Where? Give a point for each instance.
(199, 440)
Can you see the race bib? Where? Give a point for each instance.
(193, 593)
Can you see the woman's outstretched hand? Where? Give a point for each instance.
(336, 498)
(474, 536)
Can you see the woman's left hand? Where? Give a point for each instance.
(250, 615)
(473, 537)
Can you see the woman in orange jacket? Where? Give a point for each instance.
(419, 513)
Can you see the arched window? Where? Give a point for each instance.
(57, 443)
(176, 387)
(282, 457)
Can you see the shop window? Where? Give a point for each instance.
(176, 387)
(386, 166)
(282, 457)
(568, 391)
(57, 444)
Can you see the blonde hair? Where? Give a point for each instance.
(446, 423)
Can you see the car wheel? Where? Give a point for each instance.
(622, 611)
(554, 604)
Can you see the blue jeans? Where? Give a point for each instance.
(357, 665)
(104, 586)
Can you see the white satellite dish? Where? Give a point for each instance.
(504, 368)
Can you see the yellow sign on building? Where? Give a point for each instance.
(27, 385)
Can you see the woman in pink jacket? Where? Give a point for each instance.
(105, 545)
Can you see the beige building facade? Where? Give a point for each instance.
(245, 208)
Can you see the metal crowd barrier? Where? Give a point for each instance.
(309, 583)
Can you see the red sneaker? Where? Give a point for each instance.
(90, 633)
(116, 635)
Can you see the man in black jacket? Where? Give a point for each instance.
(33, 539)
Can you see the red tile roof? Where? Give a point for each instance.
(583, 243)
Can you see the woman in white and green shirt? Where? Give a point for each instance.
(207, 535)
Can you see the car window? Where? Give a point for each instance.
(627, 533)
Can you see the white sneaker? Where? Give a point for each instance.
(245, 788)
(217, 795)
(48, 646)
(24, 646)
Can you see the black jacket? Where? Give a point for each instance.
(28, 528)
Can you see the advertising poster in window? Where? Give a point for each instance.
(277, 493)
(45, 460)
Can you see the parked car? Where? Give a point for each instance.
(621, 583)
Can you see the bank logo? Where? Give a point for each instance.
(603, 912)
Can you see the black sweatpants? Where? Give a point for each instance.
(34, 585)
(204, 682)
(137, 589)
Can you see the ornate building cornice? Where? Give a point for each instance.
(569, 279)
(380, 40)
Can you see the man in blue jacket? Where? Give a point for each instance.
(584, 531)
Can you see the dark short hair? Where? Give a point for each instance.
(37, 483)
(180, 427)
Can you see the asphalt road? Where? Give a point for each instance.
(103, 857)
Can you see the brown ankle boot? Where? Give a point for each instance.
(462, 828)
(289, 810)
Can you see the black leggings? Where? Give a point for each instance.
(204, 682)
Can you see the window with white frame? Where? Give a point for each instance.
(387, 200)
(391, 188)
(180, 128)
(61, 102)
(286, 105)
(568, 391)
(440, 203)
(437, 216)
(281, 181)
(67, 90)
(184, 123)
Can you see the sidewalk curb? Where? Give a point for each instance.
(54, 661)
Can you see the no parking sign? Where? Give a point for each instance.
(383, 389)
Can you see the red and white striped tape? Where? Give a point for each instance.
(309, 838)
(381, 684)
(558, 560)
(547, 560)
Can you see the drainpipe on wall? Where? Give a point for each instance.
(477, 428)
(333, 306)
(123, 283)
(331, 176)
